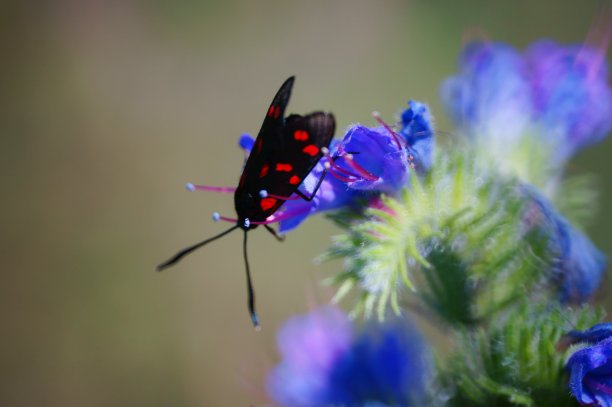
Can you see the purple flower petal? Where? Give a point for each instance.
(571, 95)
(325, 364)
(246, 142)
(491, 95)
(309, 345)
(417, 129)
(591, 374)
(578, 265)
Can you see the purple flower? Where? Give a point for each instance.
(591, 336)
(571, 95)
(361, 166)
(491, 95)
(560, 91)
(325, 363)
(590, 372)
(246, 142)
(332, 194)
(365, 163)
(417, 130)
(309, 346)
(581, 264)
(578, 266)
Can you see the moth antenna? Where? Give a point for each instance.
(401, 143)
(174, 259)
(251, 292)
(224, 190)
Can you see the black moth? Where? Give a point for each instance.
(284, 153)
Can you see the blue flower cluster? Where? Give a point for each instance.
(556, 95)
(558, 92)
(327, 362)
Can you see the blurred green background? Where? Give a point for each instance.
(109, 107)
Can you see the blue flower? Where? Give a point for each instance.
(491, 95)
(590, 372)
(591, 336)
(417, 129)
(365, 163)
(327, 364)
(578, 266)
(571, 95)
(246, 142)
(309, 345)
(361, 166)
(560, 92)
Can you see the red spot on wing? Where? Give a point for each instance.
(300, 135)
(311, 150)
(267, 203)
(277, 112)
(264, 171)
(284, 167)
(294, 180)
(271, 111)
(258, 145)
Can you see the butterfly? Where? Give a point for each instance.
(284, 153)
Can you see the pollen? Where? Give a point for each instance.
(300, 135)
(311, 150)
(267, 203)
(284, 167)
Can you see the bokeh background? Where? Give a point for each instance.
(108, 107)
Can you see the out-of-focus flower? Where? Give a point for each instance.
(578, 266)
(490, 97)
(590, 372)
(310, 345)
(571, 96)
(325, 363)
(559, 93)
(246, 142)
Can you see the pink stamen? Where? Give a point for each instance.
(359, 169)
(224, 190)
(599, 386)
(361, 173)
(342, 177)
(599, 37)
(401, 143)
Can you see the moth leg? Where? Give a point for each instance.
(279, 237)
